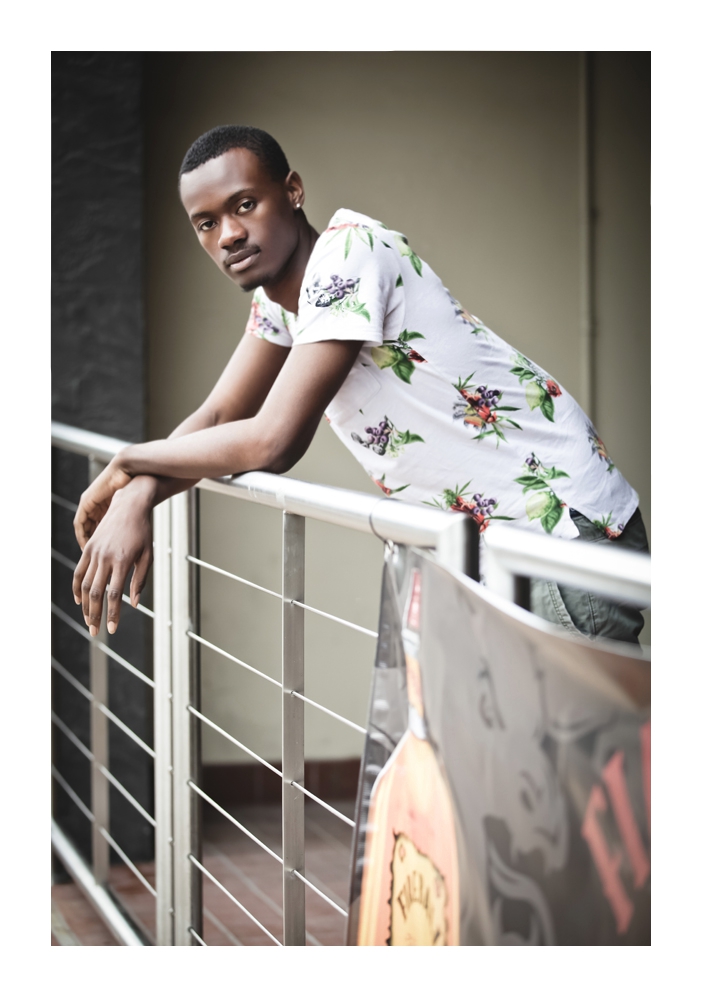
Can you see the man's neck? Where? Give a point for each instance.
(285, 289)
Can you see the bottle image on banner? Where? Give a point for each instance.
(410, 882)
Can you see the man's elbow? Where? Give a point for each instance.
(283, 458)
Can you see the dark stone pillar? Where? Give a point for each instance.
(98, 383)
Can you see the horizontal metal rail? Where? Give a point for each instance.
(128, 731)
(113, 917)
(235, 822)
(124, 857)
(329, 808)
(388, 519)
(70, 678)
(319, 892)
(230, 575)
(338, 620)
(72, 737)
(126, 794)
(611, 571)
(333, 714)
(227, 655)
(233, 899)
(64, 503)
(104, 648)
(217, 728)
(72, 794)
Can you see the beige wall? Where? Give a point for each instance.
(475, 156)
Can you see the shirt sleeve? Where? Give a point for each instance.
(268, 320)
(349, 289)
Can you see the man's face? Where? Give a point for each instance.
(244, 220)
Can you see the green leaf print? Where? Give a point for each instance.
(404, 438)
(545, 505)
(399, 281)
(406, 251)
(347, 244)
(398, 355)
(550, 519)
(404, 369)
(361, 309)
(547, 407)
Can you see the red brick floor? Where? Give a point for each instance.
(248, 872)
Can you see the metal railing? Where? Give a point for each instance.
(177, 641)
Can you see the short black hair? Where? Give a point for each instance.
(218, 140)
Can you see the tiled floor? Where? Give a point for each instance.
(248, 872)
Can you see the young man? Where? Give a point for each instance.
(351, 323)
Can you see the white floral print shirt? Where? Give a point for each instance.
(437, 408)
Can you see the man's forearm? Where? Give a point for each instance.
(205, 453)
(148, 489)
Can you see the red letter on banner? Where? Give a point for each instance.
(645, 735)
(613, 776)
(608, 863)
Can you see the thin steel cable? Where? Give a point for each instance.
(208, 915)
(235, 821)
(233, 899)
(121, 854)
(63, 560)
(121, 725)
(72, 794)
(331, 617)
(71, 679)
(196, 937)
(231, 739)
(308, 700)
(126, 794)
(71, 565)
(72, 736)
(346, 819)
(319, 892)
(71, 506)
(230, 575)
(104, 648)
(227, 655)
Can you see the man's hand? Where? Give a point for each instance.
(95, 501)
(123, 540)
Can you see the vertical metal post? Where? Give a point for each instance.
(293, 728)
(458, 547)
(184, 733)
(162, 672)
(498, 577)
(100, 798)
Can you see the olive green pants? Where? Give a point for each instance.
(585, 613)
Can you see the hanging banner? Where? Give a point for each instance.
(504, 795)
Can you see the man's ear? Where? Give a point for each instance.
(295, 190)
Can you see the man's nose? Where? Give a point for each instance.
(232, 230)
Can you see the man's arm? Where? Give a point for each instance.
(273, 439)
(113, 528)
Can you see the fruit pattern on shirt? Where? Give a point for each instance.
(435, 398)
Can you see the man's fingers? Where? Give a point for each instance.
(142, 567)
(115, 596)
(96, 593)
(79, 574)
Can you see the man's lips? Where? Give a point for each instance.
(242, 259)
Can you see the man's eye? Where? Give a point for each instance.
(206, 225)
(246, 206)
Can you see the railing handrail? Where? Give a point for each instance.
(510, 551)
(388, 519)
